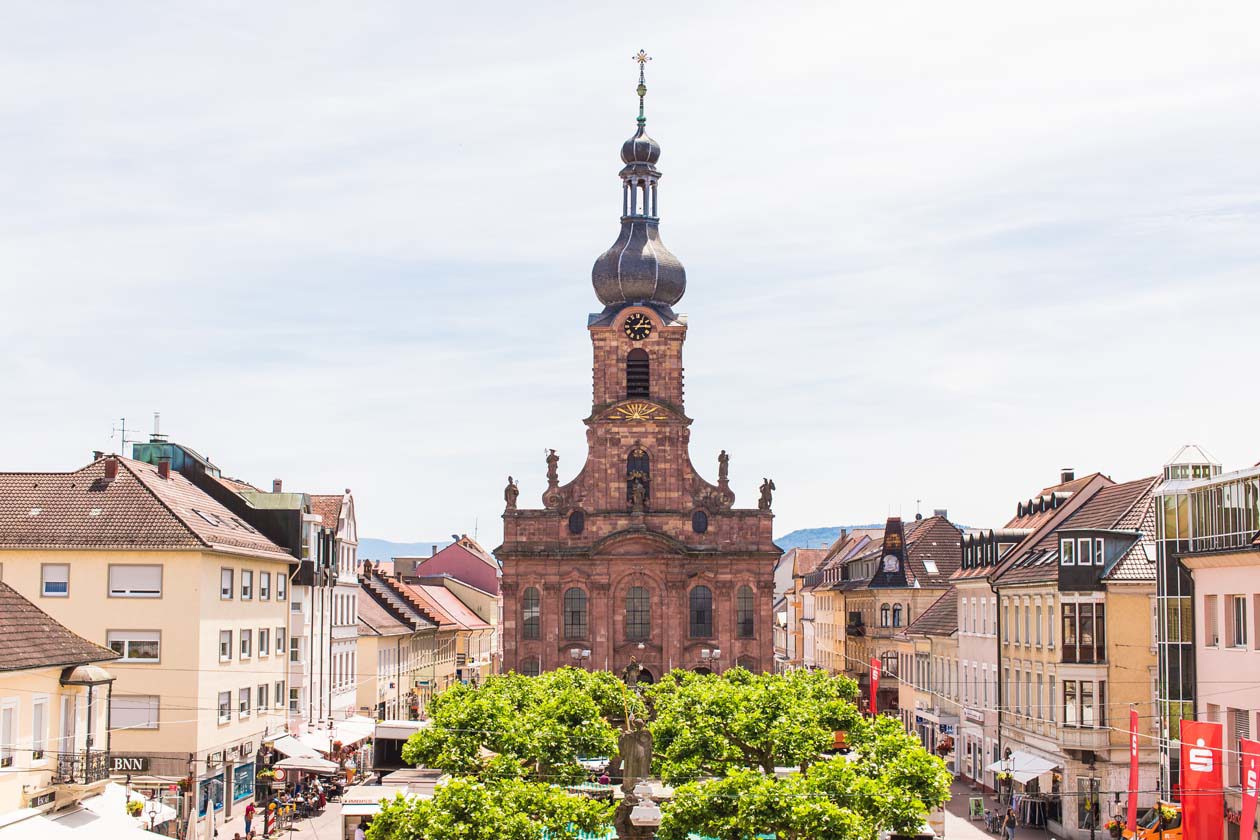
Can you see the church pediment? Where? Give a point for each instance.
(638, 411)
(637, 543)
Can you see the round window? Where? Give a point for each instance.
(577, 522)
(699, 522)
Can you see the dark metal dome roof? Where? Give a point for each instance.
(640, 149)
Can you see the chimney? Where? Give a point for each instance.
(943, 513)
(277, 485)
(111, 468)
(433, 550)
(97, 454)
(164, 468)
(1066, 474)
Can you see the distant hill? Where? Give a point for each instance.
(370, 549)
(816, 537)
(824, 537)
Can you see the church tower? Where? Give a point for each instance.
(638, 556)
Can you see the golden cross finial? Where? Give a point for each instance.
(643, 58)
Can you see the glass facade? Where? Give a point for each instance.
(1199, 510)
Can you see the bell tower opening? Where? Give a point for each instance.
(638, 373)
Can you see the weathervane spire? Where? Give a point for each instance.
(643, 58)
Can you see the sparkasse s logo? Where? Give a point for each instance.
(1201, 758)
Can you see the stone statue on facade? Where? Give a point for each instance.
(553, 474)
(634, 746)
(767, 494)
(724, 463)
(510, 494)
(638, 496)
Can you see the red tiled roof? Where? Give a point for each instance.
(447, 604)
(806, 560)
(377, 620)
(32, 639)
(933, 539)
(138, 509)
(328, 509)
(940, 618)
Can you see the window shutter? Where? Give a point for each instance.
(135, 580)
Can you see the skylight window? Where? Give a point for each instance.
(209, 517)
(94, 512)
(35, 511)
(930, 565)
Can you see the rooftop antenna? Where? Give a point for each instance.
(121, 431)
(476, 527)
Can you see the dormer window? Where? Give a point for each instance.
(1067, 552)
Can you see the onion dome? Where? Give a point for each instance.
(638, 268)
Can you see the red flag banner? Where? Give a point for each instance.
(1202, 780)
(1133, 771)
(1250, 782)
(874, 686)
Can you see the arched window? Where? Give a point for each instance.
(574, 614)
(638, 373)
(531, 667)
(747, 663)
(701, 602)
(531, 614)
(744, 612)
(638, 469)
(638, 614)
(896, 615)
(883, 615)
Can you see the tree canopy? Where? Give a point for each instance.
(524, 727)
(499, 809)
(888, 782)
(707, 724)
(514, 743)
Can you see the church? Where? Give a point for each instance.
(638, 561)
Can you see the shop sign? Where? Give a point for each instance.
(129, 764)
(242, 781)
(973, 715)
(43, 799)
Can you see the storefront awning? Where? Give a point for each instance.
(1023, 766)
(307, 765)
(349, 732)
(290, 746)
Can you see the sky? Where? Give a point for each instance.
(935, 252)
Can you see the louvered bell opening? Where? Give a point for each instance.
(638, 374)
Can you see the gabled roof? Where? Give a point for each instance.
(33, 639)
(379, 597)
(327, 508)
(933, 553)
(137, 509)
(805, 560)
(939, 619)
(376, 620)
(444, 605)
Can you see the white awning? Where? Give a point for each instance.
(1023, 766)
(349, 732)
(112, 801)
(290, 746)
(76, 823)
(361, 809)
(307, 765)
(399, 729)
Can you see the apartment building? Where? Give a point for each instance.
(1068, 676)
(397, 643)
(886, 586)
(134, 557)
(54, 696)
(825, 582)
(932, 686)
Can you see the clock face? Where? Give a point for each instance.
(890, 563)
(638, 326)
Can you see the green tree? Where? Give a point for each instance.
(499, 809)
(524, 727)
(888, 783)
(706, 725)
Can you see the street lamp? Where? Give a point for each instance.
(582, 656)
(645, 812)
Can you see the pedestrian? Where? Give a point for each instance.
(1009, 825)
(359, 834)
(249, 817)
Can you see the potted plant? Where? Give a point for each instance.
(1167, 814)
(135, 807)
(1115, 828)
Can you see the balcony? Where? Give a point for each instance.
(83, 768)
(1084, 738)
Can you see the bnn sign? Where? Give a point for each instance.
(128, 764)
